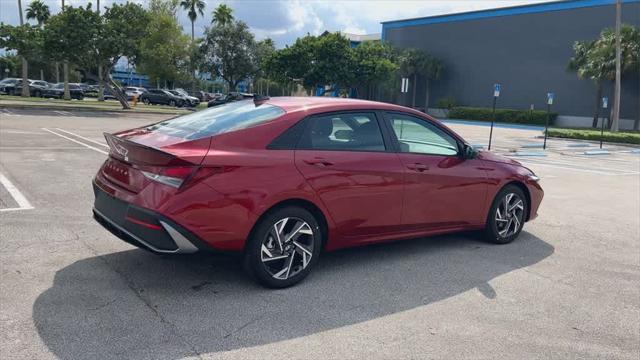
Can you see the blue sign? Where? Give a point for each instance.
(605, 102)
(550, 97)
(496, 90)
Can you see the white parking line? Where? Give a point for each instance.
(22, 201)
(76, 141)
(62, 112)
(8, 112)
(83, 138)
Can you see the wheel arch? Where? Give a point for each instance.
(305, 204)
(526, 192)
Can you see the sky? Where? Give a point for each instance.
(285, 20)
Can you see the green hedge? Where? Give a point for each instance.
(626, 137)
(536, 117)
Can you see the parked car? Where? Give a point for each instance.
(201, 95)
(159, 96)
(233, 96)
(57, 91)
(187, 99)
(280, 180)
(134, 91)
(14, 87)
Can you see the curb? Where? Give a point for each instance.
(528, 153)
(495, 124)
(597, 152)
(531, 145)
(82, 108)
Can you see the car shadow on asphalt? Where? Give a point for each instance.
(173, 307)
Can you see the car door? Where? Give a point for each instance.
(343, 157)
(442, 189)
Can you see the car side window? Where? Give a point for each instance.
(345, 131)
(420, 136)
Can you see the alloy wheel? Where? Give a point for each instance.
(287, 248)
(509, 215)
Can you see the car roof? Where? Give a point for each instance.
(317, 104)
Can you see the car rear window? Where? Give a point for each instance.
(218, 120)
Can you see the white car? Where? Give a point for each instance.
(133, 91)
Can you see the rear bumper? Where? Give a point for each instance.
(143, 228)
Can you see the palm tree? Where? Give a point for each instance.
(222, 15)
(39, 11)
(193, 7)
(431, 69)
(65, 73)
(411, 64)
(595, 60)
(25, 65)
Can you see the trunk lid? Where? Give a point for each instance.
(134, 152)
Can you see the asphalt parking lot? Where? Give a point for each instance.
(569, 287)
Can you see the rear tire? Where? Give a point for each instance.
(506, 216)
(283, 248)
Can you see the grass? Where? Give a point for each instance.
(111, 105)
(623, 137)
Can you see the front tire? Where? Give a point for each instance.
(172, 103)
(284, 247)
(507, 215)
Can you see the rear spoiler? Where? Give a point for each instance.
(136, 153)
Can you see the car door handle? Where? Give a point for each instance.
(418, 167)
(318, 162)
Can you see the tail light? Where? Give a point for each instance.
(179, 177)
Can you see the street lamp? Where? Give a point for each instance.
(6, 73)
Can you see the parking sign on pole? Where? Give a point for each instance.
(550, 97)
(496, 94)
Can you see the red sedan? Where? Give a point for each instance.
(283, 179)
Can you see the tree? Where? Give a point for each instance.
(375, 61)
(222, 15)
(9, 62)
(39, 11)
(27, 41)
(193, 7)
(431, 69)
(88, 40)
(411, 63)
(580, 64)
(314, 61)
(229, 52)
(165, 51)
(264, 49)
(595, 60)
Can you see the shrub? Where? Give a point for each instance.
(626, 137)
(536, 117)
(447, 103)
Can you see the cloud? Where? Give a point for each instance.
(285, 20)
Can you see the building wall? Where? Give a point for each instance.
(527, 53)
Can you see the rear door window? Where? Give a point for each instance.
(218, 120)
(345, 132)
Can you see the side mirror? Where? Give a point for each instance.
(469, 152)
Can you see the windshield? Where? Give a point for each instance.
(218, 120)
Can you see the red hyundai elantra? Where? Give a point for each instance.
(283, 179)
